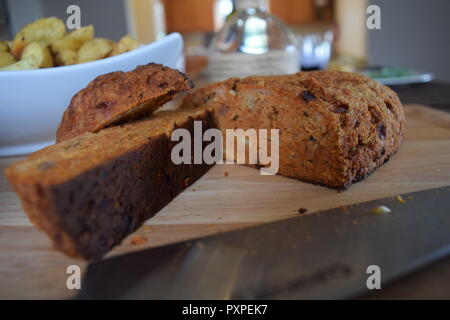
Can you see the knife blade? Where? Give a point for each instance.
(323, 255)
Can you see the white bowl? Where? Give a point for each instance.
(32, 101)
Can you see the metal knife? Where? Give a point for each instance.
(323, 255)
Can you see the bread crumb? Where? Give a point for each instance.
(400, 199)
(226, 174)
(380, 210)
(138, 240)
(302, 210)
(200, 244)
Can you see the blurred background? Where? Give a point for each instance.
(413, 34)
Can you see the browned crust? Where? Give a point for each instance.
(88, 193)
(335, 127)
(118, 97)
(91, 191)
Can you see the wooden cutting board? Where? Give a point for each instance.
(226, 198)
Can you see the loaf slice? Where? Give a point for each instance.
(335, 127)
(88, 193)
(118, 97)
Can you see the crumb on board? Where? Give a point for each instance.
(302, 210)
(138, 240)
(200, 244)
(380, 210)
(225, 174)
(400, 199)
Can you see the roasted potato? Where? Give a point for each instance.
(46, 30)
(66, 58)
(83, 34)
(65, 49)
(6, 59)
(39, 53)
(44, 43)
(95, 49)
(4, 46)
(125, 44)
(73, 40)
(25, 64)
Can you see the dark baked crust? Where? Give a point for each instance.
(335, 127)
(88, 193)
(119, 96)
(91, 191)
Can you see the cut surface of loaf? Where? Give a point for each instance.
(118, 97)
(335, 127)
(88, 193)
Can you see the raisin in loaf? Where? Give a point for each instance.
(119, 96)
(335, 127)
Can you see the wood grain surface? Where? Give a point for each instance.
(228, 197)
